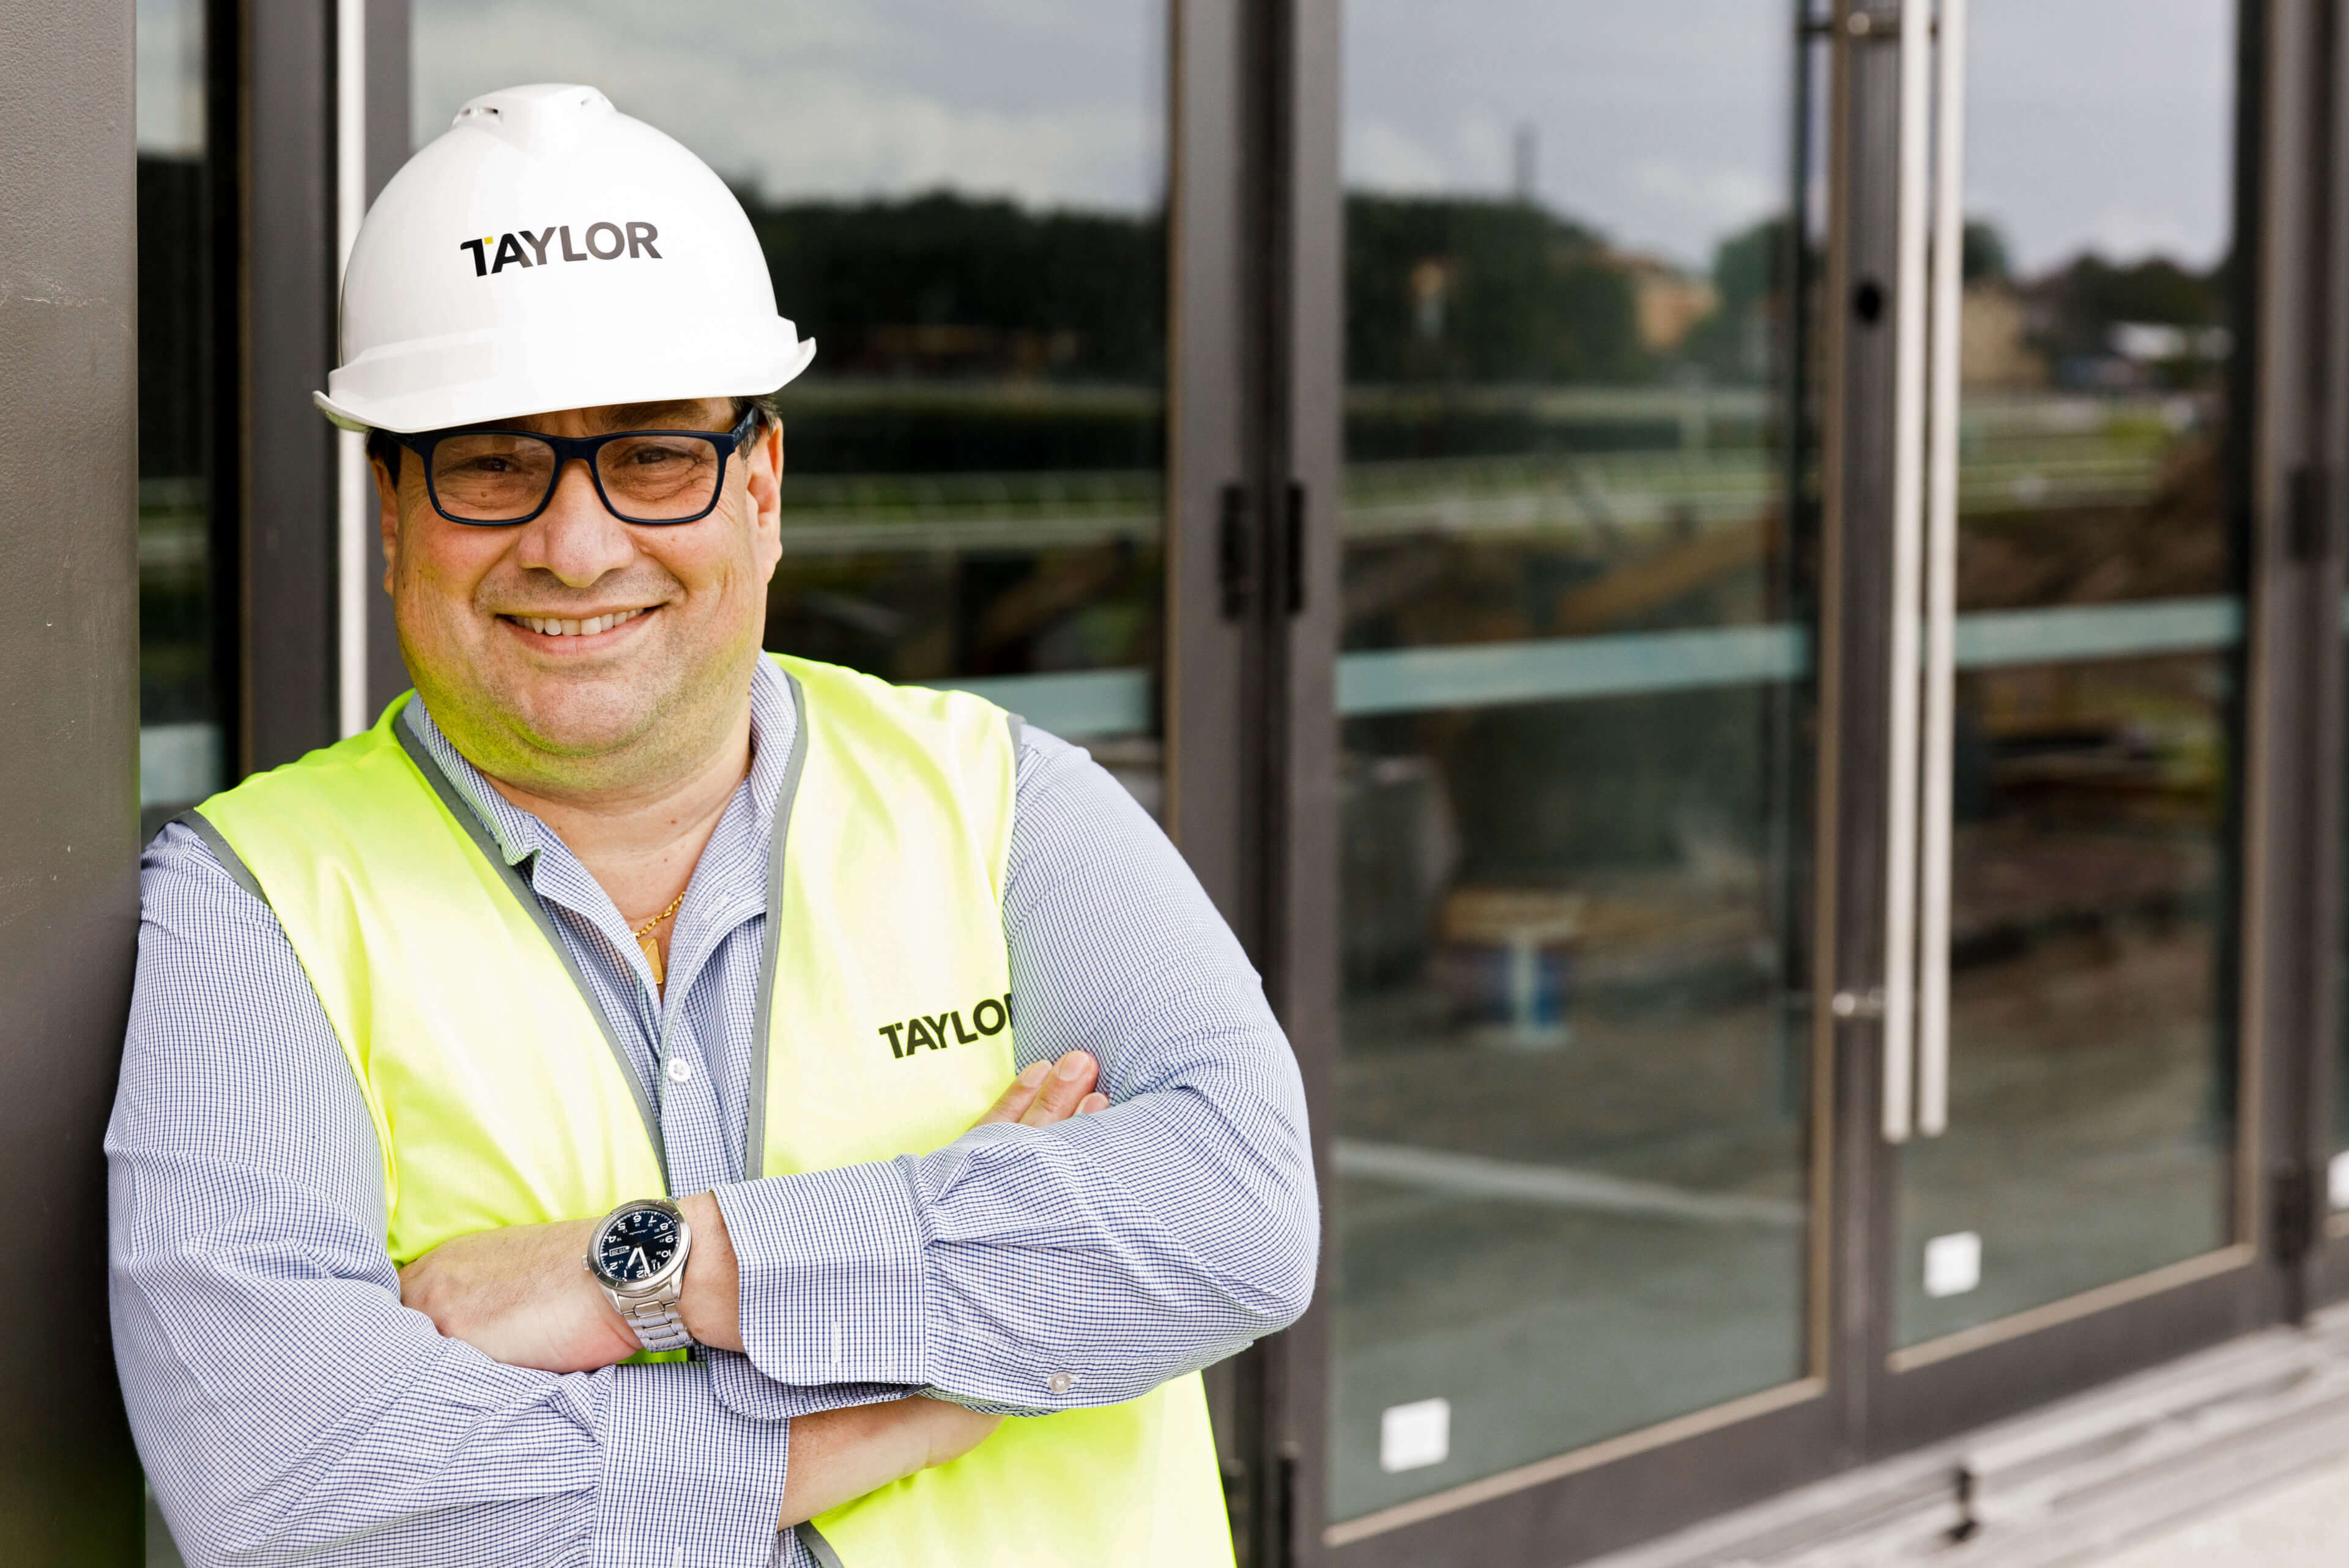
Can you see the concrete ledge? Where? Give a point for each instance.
(2068, 1484)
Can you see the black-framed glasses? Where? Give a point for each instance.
(501, 479)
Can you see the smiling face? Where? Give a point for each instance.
(575, 654)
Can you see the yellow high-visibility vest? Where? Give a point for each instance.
(500, 1097)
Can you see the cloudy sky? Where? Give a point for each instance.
(1050, 101)
(2091, 122)
(2101, 123)
(170, 86)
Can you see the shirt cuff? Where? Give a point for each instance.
(660, 1500)
(742, 1388)
(833, 1270)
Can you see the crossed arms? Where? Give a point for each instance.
(519, 1296)
(290, 1408)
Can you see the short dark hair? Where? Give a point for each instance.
(384, 447)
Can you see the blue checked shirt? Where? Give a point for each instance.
(289, 1409)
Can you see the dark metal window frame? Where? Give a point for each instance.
(1857, 1406)
(1255, 324)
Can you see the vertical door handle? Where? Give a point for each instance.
(1909, 391)
(1929, 253)
(1941, 572)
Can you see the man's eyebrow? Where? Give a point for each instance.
(677, 413)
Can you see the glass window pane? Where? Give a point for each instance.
(1572, 1088)
(179, 707)
(2091, 1079)
(181, 758)
(965, 208)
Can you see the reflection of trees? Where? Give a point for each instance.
(2100, 324)
(948, 286)
(1461, 289)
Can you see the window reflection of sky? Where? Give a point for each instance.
(1645, 130)
(170, 83)
(1054, 105)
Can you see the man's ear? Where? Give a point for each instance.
(764, 471)
(388, 519)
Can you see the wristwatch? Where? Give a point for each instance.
(638, 1256)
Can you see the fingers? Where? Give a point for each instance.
(1070, 1080)
(1050, 1092)
(1019, 1097)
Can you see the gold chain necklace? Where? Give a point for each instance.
(645, 940)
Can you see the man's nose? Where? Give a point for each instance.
(576, 537)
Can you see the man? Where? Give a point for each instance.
(621, 941)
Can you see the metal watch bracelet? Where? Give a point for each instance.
(657, 1324)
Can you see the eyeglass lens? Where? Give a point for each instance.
(500, 477)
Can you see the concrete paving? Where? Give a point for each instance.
(2302, 1522)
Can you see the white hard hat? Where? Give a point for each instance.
(548, 252)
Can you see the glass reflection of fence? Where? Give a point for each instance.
(1671, 478)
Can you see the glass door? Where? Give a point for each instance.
(2072, 1141)
(1789, 696)
(1574, 1211)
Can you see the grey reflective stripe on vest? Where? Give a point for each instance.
(754, 1131)
(230, 862)
(525, 895)
(817, 1546)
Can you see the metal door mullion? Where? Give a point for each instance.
(2309, 1053)
(1298, 239)
(1855, 703)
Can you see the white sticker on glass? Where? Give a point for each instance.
(1413, 1434)
(2336, 1181)
(1953, 1264)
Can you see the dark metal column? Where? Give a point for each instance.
(69, 1490)
(283, 337)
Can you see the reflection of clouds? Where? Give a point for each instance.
(2121, 233)
(1381, 156)
(1667, 127)
(1041, 101)
(1701, 88)
(1729, 199)
(1480, 144)
(170, 91)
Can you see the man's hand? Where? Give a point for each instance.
(1050, 1092)
(521, 1295)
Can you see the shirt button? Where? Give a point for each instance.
(679, 1070)
(1060, 1382)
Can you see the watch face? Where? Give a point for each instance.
(636, 1245)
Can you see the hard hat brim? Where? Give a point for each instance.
(427, 386)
